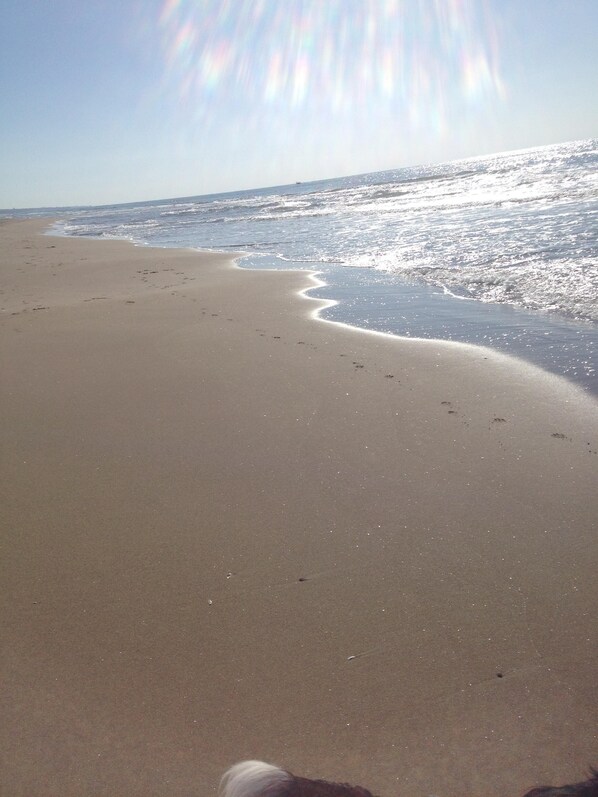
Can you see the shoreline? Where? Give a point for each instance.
(583, 387)
(232, 533)
(561, 346)
(533, 370)
(564, 347)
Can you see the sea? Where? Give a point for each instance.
(499, 251)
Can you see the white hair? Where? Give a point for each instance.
(251, 779)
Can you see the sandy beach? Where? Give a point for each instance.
(232, 531)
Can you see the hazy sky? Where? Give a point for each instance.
(107, 101)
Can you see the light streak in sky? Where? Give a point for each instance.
(407, 66)
(338, 53)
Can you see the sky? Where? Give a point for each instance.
(108, 101)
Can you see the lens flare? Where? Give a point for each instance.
(340, 53)
(390, 72)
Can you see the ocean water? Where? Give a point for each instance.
(500, 250)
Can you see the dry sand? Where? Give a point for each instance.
(232, 531)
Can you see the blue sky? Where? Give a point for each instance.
(113, 100)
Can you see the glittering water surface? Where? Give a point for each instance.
(500, 250)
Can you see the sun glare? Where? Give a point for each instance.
(342, 55)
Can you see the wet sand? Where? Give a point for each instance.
(230, 531)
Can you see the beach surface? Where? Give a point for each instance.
(232, 531)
